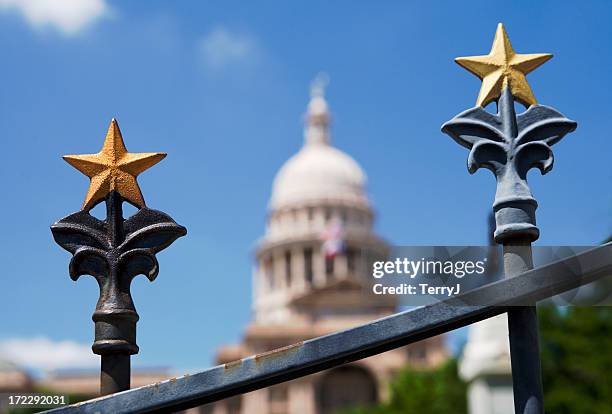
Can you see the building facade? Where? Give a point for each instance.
(310, 280)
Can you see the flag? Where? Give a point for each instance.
(333, 239)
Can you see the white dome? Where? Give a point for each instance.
(318, 172)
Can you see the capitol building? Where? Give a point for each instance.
(310, 278)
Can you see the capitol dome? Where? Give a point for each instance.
(318, 172)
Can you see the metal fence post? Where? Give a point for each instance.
(510, 145)
(375, 337)
(115, 250)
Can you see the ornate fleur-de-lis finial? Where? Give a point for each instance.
(509, 144)
(115, 250)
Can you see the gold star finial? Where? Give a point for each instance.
(503, 67)
(114, 169)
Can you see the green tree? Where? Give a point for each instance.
(576, 351)
(576, 345)
(433, 391)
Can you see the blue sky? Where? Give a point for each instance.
(222, 87)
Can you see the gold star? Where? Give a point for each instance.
(113, 169)
(503, 68)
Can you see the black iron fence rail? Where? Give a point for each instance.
(378, 336)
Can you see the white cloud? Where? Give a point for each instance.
(222, 47)
(44, 354)
(67, 16)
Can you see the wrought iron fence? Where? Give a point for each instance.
(507, 143)
(328, 351)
